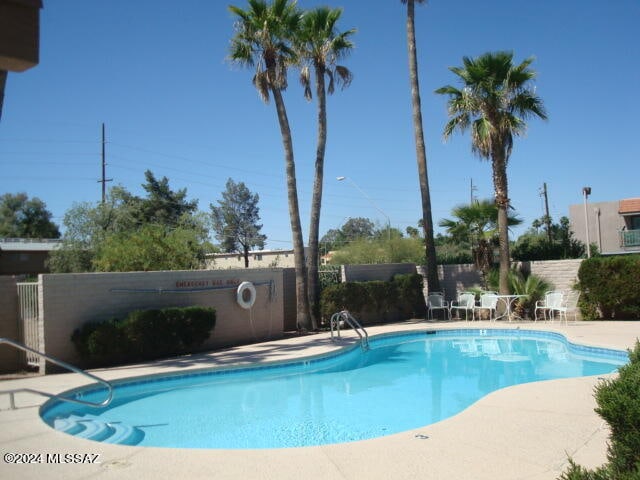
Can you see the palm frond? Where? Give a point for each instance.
(261, 82)
(319, 43)
(482, 137)
(305, 81)
(460, 122)
(345, 77)
(331, 87)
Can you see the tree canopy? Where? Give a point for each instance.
(535, 245)
(126, 232)
(496, 99)
(22, 217)
(235, 220)
(477, 225)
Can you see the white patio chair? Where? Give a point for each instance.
(552, 300)
(466, 301)
(569, 304)
(435, 301)
(488, 301)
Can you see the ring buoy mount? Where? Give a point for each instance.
(246, 295)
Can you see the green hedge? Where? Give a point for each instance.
(144, 335)
(619, 405)
(609, 287)
(402, 293)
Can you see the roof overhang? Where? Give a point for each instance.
(630, 206)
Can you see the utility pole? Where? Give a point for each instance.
(104, 168)
(471, 190)
(547, 217)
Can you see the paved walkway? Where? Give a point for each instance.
(521, 432)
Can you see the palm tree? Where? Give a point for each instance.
(319, 46)
(421, 154)
(494, 102)
(263, 39)
(477, 224)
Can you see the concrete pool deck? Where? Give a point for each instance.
(521, 432)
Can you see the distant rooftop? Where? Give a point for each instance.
(251, 252)
(630, 205)
(29, 244)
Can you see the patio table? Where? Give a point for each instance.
(508, 302)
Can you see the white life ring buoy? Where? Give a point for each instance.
(246, 295)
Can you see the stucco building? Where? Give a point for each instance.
(613, 226)
(257, 259)
(25, 256)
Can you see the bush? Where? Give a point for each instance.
(350, 296)
(403, 292)
(144, 335)
(609, 285)
(410, 293)
(619, 405)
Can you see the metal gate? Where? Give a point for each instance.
(29, 320)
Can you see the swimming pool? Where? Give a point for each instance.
(404, 381)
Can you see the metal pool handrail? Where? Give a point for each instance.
(60, 363)
(353, 323)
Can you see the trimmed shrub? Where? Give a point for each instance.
(410, 293)
(402, 293)
(350, 296)
(144, 335)
(383, 296)
(619, 405)
(609, 285)
(101, 342)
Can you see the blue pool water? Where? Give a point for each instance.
(404, 381)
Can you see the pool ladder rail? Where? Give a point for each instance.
(60, 363)
(345, 316)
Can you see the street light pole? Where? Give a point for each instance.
(340, 179)
(586, 191)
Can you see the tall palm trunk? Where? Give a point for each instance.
(3, 82)
(314, 228)
(421, 155)
(499, 168)
(302, 301)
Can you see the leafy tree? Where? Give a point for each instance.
(421, 154)
(263, 39)
(87, 225)
(162, 205)
(352, 229)
(93, 232)
(380, 250)
(477, 225)
(319, 46)
(358, 227)
(150, 247)
(333, 239)
(496, 99)
(413, 232)
(236, 218)
(535, 245)
(451, 251)
(21, 217)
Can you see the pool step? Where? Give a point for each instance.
(93, 428)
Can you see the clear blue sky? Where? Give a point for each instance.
(155, 73)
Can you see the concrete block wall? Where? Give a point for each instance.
(70, 300)
(9, 324)
(456, 278)
(562, 273)
(383, 272)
